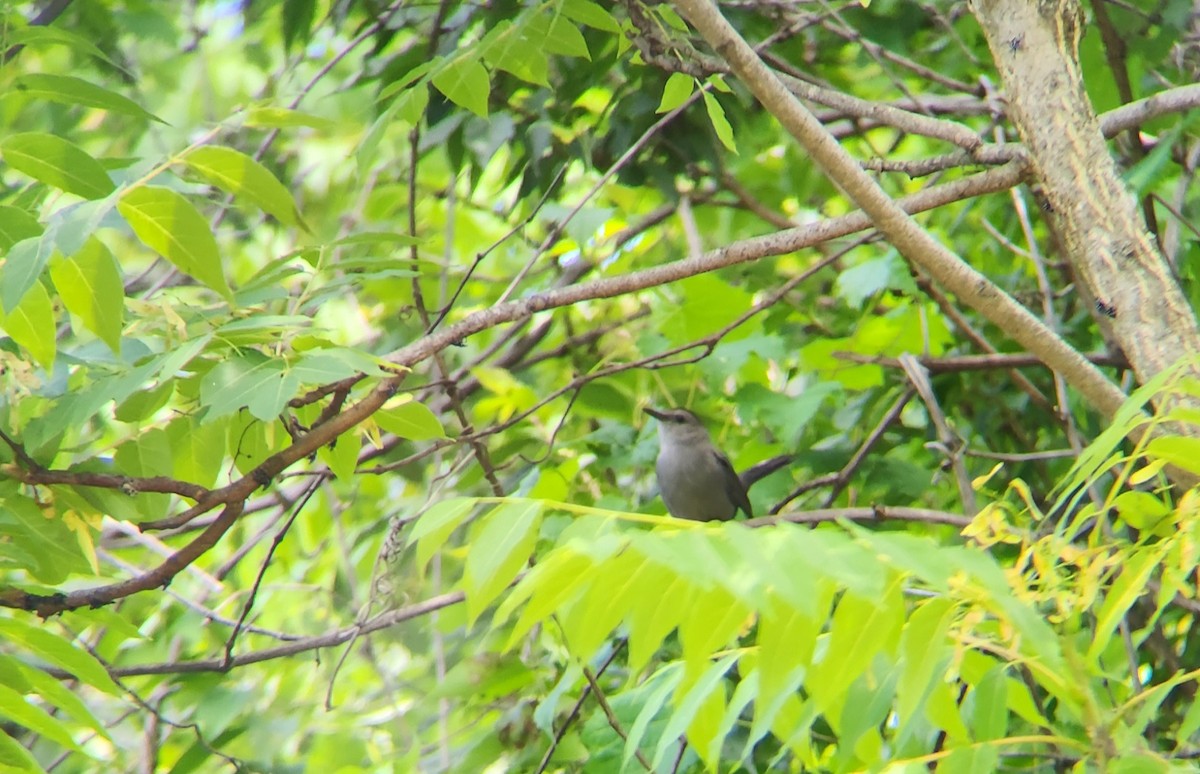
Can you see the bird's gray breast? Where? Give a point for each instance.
(693, 486)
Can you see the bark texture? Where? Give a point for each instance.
(1035, 46)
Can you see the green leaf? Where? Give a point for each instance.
(44, 547)
(262, 328)
(695, 696)
(147, 454)
(14, 707)
(250, 441)
(411, 420)
(434, 526)
(464, 81)
(58, 163)
(1189, 725)
(989, 716)
(168, 224)
(15, 757)
(1150, 170)
(969, 760)
(713, 621)
(786, 643)
(197, 449)
(378, 238)
(16, 225)
(296, 20)
(861, 627)
(500, 547)
(1178, 450)
(1136, 570)
(342, 455)
(22, 268)
(246, 180)
(552, 582)
(678, 88)
(61, 653)
(73, 225)
(557, 35)
(616, 589)
(923, 652)
(89, 284)
(709, 303)
(1144, 511)
(720, 124)
(321, 366)
(592, 14)
(80, 405)
(517, 49)
(76, 91)
(659, 687)
(251, 380)
(270, 117)
(31, 325)
(655, 615)
(855, 284)
(61, 697)
(41, 35)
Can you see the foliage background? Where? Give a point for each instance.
(326, 323)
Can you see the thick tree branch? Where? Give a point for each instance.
(901, 230)
(1105, 238)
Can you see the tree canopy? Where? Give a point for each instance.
(327, 330)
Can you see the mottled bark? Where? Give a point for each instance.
(1035, 47)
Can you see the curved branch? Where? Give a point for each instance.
(913, 242)
(875, 513)
(220, 665)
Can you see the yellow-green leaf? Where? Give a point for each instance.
(591, 14)
(679, 87)
(197, 449)
(1177, 450)
(16, 224)
(411, 420)
(31, 325)
(14, 707)
(58, 651)
(1136, 570)
(89, 284)
(283, 118)
(434, 526)
(247, 180)
(499, 549)
(465, 82)
(58, 163)
(720, 124)
(861, 628)
(76, 91)
(168, 224)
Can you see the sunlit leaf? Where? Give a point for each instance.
(61, 653)
(678, 88)
(263, 385)
(509, 532)
(31, 324)
(76, 91)
(56, 162)
(168, 224)
(89, 283)
(465, 82)
(410, 419)
(247, 180)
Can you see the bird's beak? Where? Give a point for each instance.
(655, 413)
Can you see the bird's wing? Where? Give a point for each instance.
(734, 489)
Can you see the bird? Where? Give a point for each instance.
(697, 481)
